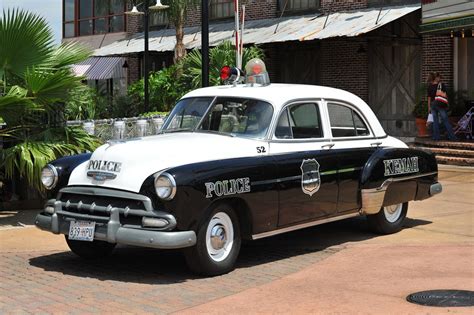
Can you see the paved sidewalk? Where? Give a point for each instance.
(334, 268)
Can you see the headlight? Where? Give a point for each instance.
(165, 186)
(49, 176)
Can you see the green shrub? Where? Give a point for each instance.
(165, 88)
(152, 114)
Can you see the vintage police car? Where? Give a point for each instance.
(233, 162)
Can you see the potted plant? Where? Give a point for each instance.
(420, 111)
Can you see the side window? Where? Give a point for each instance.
(345, 122)
(299, 121)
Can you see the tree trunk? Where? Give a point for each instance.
(180, 49)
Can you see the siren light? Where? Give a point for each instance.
(257, 72)
(231, 74)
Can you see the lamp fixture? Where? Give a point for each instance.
(462, 33)
(452, 34)
(158, 6)
(134, 11)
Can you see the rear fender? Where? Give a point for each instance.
(397, 175)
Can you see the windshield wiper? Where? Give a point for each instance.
(176, 130)
(215, 132)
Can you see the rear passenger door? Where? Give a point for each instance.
(354, 143)
(307, 181)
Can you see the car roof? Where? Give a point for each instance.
(280, 94)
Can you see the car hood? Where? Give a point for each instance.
(132, 161)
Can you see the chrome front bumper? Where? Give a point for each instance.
(111, 230)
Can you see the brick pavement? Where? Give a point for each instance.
(140, 280)
(39, 275)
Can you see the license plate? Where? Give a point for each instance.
(81, 231)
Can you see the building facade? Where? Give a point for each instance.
(377, 51)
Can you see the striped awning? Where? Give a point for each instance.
(100, 68)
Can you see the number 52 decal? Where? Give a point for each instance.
(261, 150)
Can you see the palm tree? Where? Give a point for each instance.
(36, 79)
(219, 56)
(177, 16)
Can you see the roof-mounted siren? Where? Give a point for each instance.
(257, 72)
(231, 75)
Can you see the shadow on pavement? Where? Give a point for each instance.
(151, 266)
(17, 218)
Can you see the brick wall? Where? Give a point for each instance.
(254, 10)
(134, 24)
(437, 56)
(343, 67)
(133, 69)
(342, 5)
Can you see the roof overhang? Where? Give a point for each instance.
(445, 26)
(297, 28)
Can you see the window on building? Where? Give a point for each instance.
(158, 18)
(298, 5)
(221, 9)
(345, 122)
(90, 17)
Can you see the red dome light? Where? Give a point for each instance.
(226, 71)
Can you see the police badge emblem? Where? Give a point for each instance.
(310, 178)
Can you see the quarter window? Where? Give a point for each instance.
(345, 122)
(300, 121)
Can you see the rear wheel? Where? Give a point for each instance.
(90, 250)
(389, 219)
(218, 243)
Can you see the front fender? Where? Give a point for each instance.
(65, 166)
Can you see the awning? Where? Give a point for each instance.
(100, 68)
(448, 25)
(302, 28)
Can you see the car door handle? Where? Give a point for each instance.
(376, 144)
(327, 146)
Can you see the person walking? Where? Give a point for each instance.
(439, 107)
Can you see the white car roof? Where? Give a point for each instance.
(280, 94)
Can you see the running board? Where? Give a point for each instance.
(304, 225)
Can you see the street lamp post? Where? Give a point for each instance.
(205, 42)
(146, 61)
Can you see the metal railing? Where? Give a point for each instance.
(123, 128)
(117, 128)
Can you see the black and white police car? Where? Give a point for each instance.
(233, 162)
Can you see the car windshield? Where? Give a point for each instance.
(238, 117)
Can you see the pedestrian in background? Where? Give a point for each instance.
(439, 107)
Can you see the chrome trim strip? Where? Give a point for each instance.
(304, 225)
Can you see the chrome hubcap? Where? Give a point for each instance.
(393, 213)
(219, 236)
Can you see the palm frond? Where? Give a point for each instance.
(49, 87)
(15, 104)
(29, 157)
(67, 54)
(26, 40)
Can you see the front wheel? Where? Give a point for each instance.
(90, 250)
(218, 243)
(389, 219)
